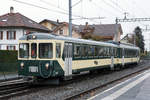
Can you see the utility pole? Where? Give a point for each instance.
(68, 54)
(134, 38)
(70, 18)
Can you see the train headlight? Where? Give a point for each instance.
(33, 36)
(22, 65)
(47, 66)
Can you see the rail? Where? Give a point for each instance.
(13, 87)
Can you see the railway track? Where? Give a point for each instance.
(13, 87)
(93, 89)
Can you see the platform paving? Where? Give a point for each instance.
(136, 88)
(8, 76)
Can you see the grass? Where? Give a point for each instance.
(1, 73)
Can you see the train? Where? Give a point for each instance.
(44, 56)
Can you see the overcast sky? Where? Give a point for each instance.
(38, 10)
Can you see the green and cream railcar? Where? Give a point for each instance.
(48, 56)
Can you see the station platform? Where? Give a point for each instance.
(135, 88)
(8, 76)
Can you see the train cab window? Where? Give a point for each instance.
(45, 50)
(77, 49)
(58, 50)
(33, 50)
(24, 50)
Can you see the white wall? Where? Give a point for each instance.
(5, 42)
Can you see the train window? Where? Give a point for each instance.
(124, 52)
(105, 51)
(108, 52)
(136, 53)
(45, 50)
(84, 51)
(33, 50)
(58, 50)
(115, 52)
(101, 51)
(77, 49)
(96, 51)
(24, 50)
(91, 51)
(64, 51)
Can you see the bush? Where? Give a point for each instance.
(7, 56)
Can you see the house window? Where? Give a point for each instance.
(61, 31)
(11, 35)
(1, 35)
(11, 47)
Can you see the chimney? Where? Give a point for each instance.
(57, 20)
(86, 24)
(11, 9)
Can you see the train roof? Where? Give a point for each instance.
(47, 36)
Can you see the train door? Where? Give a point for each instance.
(68, 59)
(119, 53)
(112, 59)
(123, 52)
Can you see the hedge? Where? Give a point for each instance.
(8, 61)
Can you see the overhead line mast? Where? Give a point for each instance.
(70, 18)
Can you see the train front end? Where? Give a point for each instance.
(37, 59)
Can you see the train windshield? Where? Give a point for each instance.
(24, 50)
(45, 50)
(33, 50)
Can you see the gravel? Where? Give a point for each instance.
(62, 91)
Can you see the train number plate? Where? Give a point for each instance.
(33, 69)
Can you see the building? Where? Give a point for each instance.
(129, 38)
(102, 32)
(13, 26)
(60, 28)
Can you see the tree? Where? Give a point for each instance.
(139, 38)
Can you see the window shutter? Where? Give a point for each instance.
(14, 47)
(15, 35)
(7, 47)
(7, 35)
(2, 35)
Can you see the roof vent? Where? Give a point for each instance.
(30, 21)
(11, 9)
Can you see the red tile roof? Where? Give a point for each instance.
(103, 29)
(18, 20)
